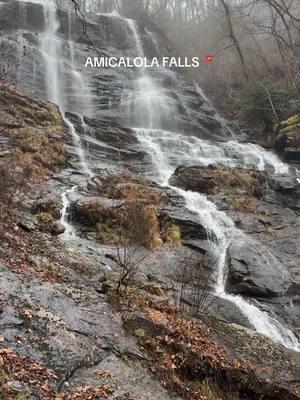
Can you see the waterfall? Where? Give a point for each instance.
(169, 150)
(154, 109)
(51, 48)
(55, 81)
(154, 41)
(69, 230)
(150, 104)
(217, 116)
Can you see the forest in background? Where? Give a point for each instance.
(255, 73)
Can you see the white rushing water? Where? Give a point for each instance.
(168, 150)
(151, 107)
(64, 219)
(56, 77)
(50, 47)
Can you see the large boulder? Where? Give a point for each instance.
(213, 179)
(254, 271)
(188, 221)
(272, 363)
(93, 210)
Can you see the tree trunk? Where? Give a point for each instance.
(234, 38)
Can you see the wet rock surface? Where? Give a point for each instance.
(251, 272)
(264, 354)
(265, 208)
(54, 305)
(62, 321)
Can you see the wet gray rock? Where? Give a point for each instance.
(20, 15)
(131, 379)
(28, 222)
(65, 334)
(187, 221)
(107, 143)
(254, 271)
(262, 353)
(292, 155)
(288, 306)
(58, 228)
(9, 317)
(227, 311)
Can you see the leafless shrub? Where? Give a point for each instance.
(129, 257)
(139, 230)
(194, 280)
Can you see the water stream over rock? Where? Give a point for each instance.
(171, 118)
(220, 228)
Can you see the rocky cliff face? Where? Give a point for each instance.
(146, 157)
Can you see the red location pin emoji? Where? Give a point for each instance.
(208, 58)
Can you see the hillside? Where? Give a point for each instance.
(147, 249)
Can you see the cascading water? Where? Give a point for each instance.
(153, 107)
(169, 150)
(69, 230)
(51, 48)
(217, 116)
(56, 76)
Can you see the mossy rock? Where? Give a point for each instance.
(154, 288)
(45, 218)
(173, 235)
(287, 135)
(292, 129)
(92, 211)
(140, 325)
(295, 119)
(49, 225)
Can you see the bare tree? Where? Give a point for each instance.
(234, 38)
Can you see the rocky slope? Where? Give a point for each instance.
(66, 334)
(266, 208)
(73, 326)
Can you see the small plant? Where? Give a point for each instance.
(128, 260)
(194, 278)
(170, 233)
(140, 224)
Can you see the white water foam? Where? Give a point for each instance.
(64, 219)
(55, 75)
(169, 150)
